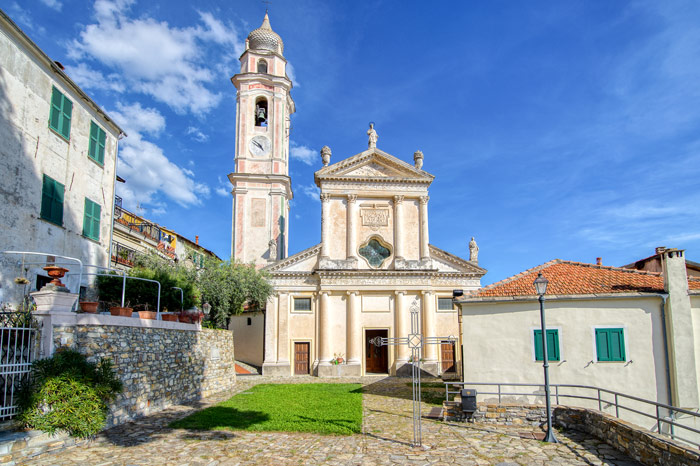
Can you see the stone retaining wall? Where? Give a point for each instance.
(158, 366)
(644, 446)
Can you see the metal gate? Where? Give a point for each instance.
(17, 348)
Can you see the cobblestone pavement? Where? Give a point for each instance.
(387, 432)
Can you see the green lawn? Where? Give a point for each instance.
(317, 407)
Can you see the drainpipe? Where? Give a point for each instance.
(664, 297)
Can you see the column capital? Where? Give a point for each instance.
(352, 293)
(426, 292)
(324, 293)
(325, 197)
(424, 199)
(398, 199)
(397, 293)
(352, 198)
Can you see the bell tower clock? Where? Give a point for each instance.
(261, 184)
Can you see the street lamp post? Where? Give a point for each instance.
(541, 288)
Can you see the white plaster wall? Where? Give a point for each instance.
(498, 344)
(29, 149)
(248, 339)
(695, 312)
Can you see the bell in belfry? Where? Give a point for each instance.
(260, 115)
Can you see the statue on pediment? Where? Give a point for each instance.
(473, 251)
(373, 136)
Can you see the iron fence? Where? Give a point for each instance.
(663, 414)
(17, 352)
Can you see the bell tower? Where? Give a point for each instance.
(261, 184)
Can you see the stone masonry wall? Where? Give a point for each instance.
(158, 366)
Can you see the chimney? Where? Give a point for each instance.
(196, 240)
(679, 328)
(598, 261)
(660, 249)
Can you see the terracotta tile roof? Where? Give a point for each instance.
(577, 278)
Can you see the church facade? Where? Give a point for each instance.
(374, 262)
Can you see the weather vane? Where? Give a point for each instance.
(268, 3)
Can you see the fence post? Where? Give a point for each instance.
(499, 393)
(617, 407)
(658, 419)
(600, 404)
(556, 393)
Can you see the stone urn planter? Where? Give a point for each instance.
(150, 315)
(89, 307)
(121, 311)
(56, 273)
(168, 317)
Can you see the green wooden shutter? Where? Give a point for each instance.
(56, 107)
(67, 113)
(101, 139)
(97, 143)
(52, 200)
(91, 220)
(610, 344)
(552, 345)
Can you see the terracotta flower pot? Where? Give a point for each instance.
(56, 273)
(147, 315)
(89, 307)
(184, 318)
(121, 311)
(169, 317)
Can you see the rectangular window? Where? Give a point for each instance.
(91, 220)
(445, 304)
(552, 345)
(610, 344)
(97, 143)
(302, 304)
(61, 111)
(52, 201)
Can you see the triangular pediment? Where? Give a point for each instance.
(443, 261)
(304, 261)
(376, 165)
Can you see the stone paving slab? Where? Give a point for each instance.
(387, 432)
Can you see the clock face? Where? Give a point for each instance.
(259, 146)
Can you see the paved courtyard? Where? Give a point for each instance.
(387, 431)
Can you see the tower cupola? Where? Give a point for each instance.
(264, 38)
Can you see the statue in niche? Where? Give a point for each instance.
(373, 136)
(326, 155)
(273, 249)
(473, 251)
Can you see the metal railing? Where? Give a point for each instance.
(17, 348)
(616, 398)
(123, 255)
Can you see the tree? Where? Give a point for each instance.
(228, 285)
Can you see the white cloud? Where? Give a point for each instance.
(55, 4)
(197, 135)
(89, 78)
(311, 190)
(303, 154)
(224, 188)
(292, 75)
(147, 170)
(168, 63)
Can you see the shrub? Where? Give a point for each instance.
(66, 392)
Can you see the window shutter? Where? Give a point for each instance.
(91, 220)
(92, 150)
(52, 200)
(56, 105)
(46, 197)
(610, 344)
(617, 345)
(101, 139)
(539, 356)
(552, 345)
(57, 207)
(67, 113)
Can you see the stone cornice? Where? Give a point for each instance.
(335, 172)
(457, 261)
(265, 178)
(300, 256)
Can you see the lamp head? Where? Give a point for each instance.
(541, 284)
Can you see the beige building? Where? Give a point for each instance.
(58, 155)
(374, 261)
(621, 329)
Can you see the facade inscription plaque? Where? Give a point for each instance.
(375, 218)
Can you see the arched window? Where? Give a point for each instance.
(261, 112)
(262, 66)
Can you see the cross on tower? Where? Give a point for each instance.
(415, 340)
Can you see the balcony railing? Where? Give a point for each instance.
(123, 255)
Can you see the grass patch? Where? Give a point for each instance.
(317, 407)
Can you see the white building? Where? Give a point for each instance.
(621, 329)
(58, 156)
(374, 261)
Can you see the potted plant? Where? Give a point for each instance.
(116, 310)
(89, 307)
(146, 314)
(168, 316)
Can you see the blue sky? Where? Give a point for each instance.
(555, 129)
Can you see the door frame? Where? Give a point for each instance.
(389, 354)
(310, 341)
(454, 357)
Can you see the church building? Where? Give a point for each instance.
(374, 262)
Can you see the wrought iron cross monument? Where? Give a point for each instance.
(415, 340)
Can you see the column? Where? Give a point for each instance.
(350, 231)
(325, 225)
(324, 334)
(353, 337)
(430, 351)
(270, 356)
(398, 225)
(402, 326)
(424, 249)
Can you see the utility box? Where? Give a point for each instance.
(468, 397)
